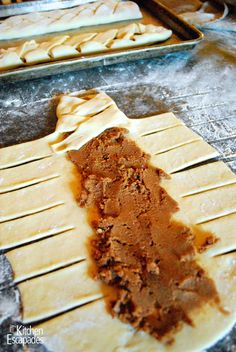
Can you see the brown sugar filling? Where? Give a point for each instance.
(138, 249)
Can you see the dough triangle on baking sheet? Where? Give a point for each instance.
(55, 182)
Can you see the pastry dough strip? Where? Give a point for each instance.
(200, 179)
(225, 230)
(184, 156)
(32, 199)
(60, 250)
(36, 226)
(166, 140)
(25, 152)
(155, 123)
(211, 204)
(66, 289)
(30, 174)
(42, 195)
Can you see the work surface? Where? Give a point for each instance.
(198, 86)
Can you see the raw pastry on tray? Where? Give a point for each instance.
(59, 47)
(95, 13)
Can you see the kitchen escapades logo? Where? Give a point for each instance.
(21, 335)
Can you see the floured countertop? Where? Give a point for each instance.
(198, 86)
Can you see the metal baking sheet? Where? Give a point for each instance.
(38, 5)
(184, 37)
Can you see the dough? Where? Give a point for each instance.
(180, 6)
(186, 155)
(71, 111)
(92, 128)
(99, 12)
(60, 250)
(212, 204)
(35, 226)
(199, 179)
(81, 330)
(70, 46)
(166, 140)
(32, 199)
(156, 123)
(225, 230)
(30, 174)
(9, 59)
(65, 289)
(43, 50)
(25, 152)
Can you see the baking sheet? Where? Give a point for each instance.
(184, 37)
(38, 5)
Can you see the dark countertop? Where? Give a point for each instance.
(199, 86)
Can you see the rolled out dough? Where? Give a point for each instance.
(201, 199)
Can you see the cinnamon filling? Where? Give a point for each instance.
(146, 257)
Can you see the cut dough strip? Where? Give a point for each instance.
(60, 47)
(99, 12)
(41, 52)
(77, 326)
(225, 230)
(184, 156)
(40, 196)
(156, 123)
(211, 204)
(64, 249)
(31, 199)
(166, 140)
(30, 174)
(66, 289)
(45, 195)
(32, 227)
(43, 224)
(25, 152)
(200, 179)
